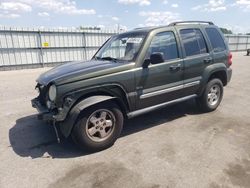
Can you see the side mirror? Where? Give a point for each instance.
(146, 63)
(156, 58)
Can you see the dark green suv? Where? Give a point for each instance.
(134, 73)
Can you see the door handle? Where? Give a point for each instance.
(208, 60)
(175, 67)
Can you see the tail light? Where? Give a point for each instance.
(230, 59)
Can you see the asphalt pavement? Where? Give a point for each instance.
(174, 147)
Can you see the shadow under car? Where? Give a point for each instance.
(33, 138)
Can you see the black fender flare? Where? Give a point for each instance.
(209, 70)
(67, 125)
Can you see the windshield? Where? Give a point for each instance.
(121, 47)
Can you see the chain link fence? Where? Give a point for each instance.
(30, 48)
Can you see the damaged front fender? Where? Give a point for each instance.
(67, 125)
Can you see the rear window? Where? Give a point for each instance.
(193, 41)
(216, 40)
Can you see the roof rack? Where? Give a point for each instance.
(189, 22)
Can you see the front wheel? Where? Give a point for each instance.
(211, 96)
(98, 127)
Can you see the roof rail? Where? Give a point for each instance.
(189, 22)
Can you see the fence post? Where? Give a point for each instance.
(7, 46)
(247, 42)
(238, 39)
(40, 47)
(13, 47)
(84, 45)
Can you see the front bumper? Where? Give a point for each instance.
(44, 113)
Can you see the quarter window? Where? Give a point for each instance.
(216, 39)
(193, 41)
(164, 43)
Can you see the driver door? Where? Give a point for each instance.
(161, 82)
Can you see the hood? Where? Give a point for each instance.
(76, 70)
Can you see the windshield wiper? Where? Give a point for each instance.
(106, 58)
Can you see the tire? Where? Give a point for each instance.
(211, 96)
(98, 127)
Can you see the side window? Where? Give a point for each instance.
(164, 43)
(193, 41)
(216, 40)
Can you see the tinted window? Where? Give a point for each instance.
(193, 41)
(216, 40)
(164, 43)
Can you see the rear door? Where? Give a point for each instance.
(196, 57)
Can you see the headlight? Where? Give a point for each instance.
(52, 93)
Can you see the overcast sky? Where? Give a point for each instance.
(232, 14)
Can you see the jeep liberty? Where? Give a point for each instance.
(131, 74)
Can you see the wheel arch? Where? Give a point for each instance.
(218, 70)
(85, 102)
(221, 75)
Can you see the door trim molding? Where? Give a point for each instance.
(168, 90)
(190, 84)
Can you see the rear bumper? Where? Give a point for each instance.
(229, 74)
(44, 113)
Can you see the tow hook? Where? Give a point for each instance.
(56, 131)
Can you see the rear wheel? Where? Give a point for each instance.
(211, 96)
(98, 127)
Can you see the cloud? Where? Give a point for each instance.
(13, 9)
(243, 4)
(165, 2)
(175, 5)
(15, 6)
(115, 18)
(43, 14)
(140, 2)
(62, 7)
(9, 15)
(108, 17)
(212, 6)
(159, 18)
